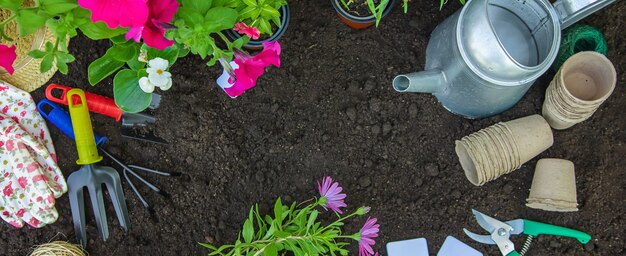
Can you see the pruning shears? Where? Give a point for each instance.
(500, 232)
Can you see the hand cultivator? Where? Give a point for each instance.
(500, 232)
(91, 175)
(61, 120)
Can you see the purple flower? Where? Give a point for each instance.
(369, 231)
(331, 195)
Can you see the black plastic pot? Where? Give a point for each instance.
(356, 21)
(258, 44)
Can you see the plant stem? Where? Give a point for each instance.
(306, 201)
(339, 220)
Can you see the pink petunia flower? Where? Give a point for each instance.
(332, 198)
(368, 232)
(7, 57)
(244, 29)
(123, 13)
(153, 29)
(252, 67)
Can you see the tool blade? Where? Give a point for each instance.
(485, 239)
(156, 101)
(484, 221)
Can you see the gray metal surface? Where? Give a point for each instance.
(484, 58)
(93, 177)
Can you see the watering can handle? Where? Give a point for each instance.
(61, 119)
(83, 131)
(571, 11)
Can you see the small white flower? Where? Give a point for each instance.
(146, 85)
(157, 76)
(157, 72)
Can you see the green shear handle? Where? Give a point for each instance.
(533, 228)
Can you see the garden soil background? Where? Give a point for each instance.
(330, 110)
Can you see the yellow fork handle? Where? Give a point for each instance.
(83, 131)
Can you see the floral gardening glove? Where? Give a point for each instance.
(30, 179)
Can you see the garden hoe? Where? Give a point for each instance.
(133, 124)
(91, 175)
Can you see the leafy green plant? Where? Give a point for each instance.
(197, 27)
(299, 228)
(259, 14)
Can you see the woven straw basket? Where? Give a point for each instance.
(26, 76)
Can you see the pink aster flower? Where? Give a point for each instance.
(7, 57)
(250, 68)
(244, 29)
(368, 232)
(123, 13)
(331, 195)
(153, 29)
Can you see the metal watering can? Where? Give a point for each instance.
(482, 60)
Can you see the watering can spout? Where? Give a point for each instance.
(429, 81)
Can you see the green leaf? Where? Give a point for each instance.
(99, 30)
(121, 40)
(312, 219)
(46, 63)
(270, 250)
(135, 64)
(37, 54)
(128, 96)
(221, 18)
(200, 6)
(264, 26)
(250, 2)
(183, 51)
(278, 209)
(12, 5)
(241, 41)
(192, 17)
(62, 66)
(248, 230)
(121, 53)
(29, 21)
(54, 7)
(101, 68)
(65, 57)
(268, 11)
(170, 54)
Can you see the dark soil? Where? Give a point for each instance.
(331, 110)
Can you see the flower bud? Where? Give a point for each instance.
(363, 210)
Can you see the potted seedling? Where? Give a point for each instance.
(363, 13)
(262, 21)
